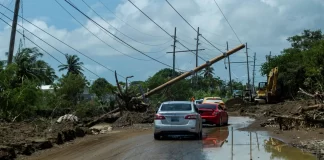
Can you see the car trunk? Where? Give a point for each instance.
(206, 111)
(175, 118)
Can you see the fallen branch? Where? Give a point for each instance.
(317, 106)
(306, 93)
(318, 96)
(103, 117)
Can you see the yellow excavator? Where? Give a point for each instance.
(269, 92)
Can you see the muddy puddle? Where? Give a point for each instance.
(219, 143)
(216, 144)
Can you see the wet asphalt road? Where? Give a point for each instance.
(216, 144)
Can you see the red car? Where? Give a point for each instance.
(213, 114)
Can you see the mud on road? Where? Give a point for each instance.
(134, 143)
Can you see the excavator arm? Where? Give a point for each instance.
(268, 90)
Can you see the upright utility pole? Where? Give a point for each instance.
(197, 40)
(13, 32)
(229, 69)
(268, 57)
(254, 72)
(174, 46)
(247, 65)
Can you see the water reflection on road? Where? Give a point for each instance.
(217, 143)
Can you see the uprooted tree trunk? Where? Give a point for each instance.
(126, 102)
(318, 97)
(313, 107)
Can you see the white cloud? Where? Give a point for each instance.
(264, 24)
(98, 69)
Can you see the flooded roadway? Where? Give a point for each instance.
(216, 144)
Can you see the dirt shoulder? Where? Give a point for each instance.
(296, 127)
(93, 142)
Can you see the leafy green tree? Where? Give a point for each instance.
(70, 87)
(2, 64)
(32, 68)
(134, 86)
(73, 65)
(16, 101)
(101, 87)
(178, 91)
(301, 64)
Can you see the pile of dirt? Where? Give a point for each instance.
(234, 104)
(130, 118)
(26, 138)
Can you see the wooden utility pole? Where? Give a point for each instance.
(197, 40)
(197, 69)
(247, 65)
(253, 72)
(229, 70)
(268, 57)
(174, 46)
(13, 32)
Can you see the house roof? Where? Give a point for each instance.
(46, 87)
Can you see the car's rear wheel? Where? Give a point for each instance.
(157, 136)
(220, 121)
(226, 123)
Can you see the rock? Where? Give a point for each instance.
(41, 144)
(69, 135)
(23, 148)
(7, 153)
(59, 138)
(28, 149)
(80, 131)
(68, 117)
(101, 128)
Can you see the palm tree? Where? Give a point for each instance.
(2, 64)
(208, 75)
(73, 65)
(208, 72)
(48, 73)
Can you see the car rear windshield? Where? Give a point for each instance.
(176, 107)
(206, 106)
(213, 100)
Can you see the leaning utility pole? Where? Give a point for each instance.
(254, 72)
(197, 39)
(229, 70)
(247, 65)
(13, 32)
(174, 46)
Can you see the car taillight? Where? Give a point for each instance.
(191, 117)
(215, 113)
(158, 116)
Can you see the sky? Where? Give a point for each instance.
(264, 25)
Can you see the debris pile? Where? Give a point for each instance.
(234, 104)
(26, 138)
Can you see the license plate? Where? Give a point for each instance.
(203, 120)
(174, 119)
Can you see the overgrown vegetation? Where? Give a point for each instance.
(301, 65)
